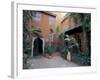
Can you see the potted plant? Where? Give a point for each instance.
(68, 54)
(48, 50)
(70, 42)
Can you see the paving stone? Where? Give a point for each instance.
(54, 62)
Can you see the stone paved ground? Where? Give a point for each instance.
(43, 62)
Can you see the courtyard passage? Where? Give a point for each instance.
(54, 62)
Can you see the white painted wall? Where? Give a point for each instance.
(5, 39)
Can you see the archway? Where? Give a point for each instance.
(37, 46)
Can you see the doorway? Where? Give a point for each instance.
(37, 46)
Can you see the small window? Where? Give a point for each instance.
(37, 16)
(51, 20)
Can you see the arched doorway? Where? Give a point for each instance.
(37, 46)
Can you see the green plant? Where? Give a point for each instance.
(62, 36)
(48, 49)
(85, 59)
(27, 51)
(27, 15)
(64, 52)
(36, 29)
(59, 48)
(82, 58)
(57, 29)
(26, 65)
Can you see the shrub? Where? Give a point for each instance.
(27, 51)
(82, 58)
(26, 65)
(64, 52)
(48, 49)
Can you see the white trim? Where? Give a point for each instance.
(14, 41)
(32, 45)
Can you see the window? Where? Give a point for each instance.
(51, 20)
(37, 16)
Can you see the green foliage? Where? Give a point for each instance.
(82, 58)
(83, 18)
(26, 33)
(64, 52)
(27, 51)
(62, 36)
(48, 49)
(27, 36)
(26, 63)
(57, 29)
(36, 29)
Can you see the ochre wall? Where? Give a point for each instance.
(43, 24)
(69, 22)
(65, 23)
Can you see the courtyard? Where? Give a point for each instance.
(56, 39)
(39, 62)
